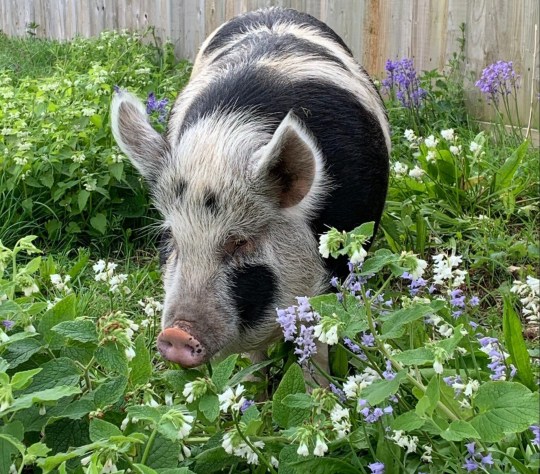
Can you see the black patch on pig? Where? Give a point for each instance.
(164, 246)
(253, 290)
(211, 202)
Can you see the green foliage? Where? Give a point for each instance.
(59, 166)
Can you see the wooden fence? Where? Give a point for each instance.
(376, 30)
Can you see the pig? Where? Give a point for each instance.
(279, 135)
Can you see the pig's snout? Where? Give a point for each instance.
(180, 347)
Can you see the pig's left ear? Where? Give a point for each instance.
(145, 147)
(291, 162)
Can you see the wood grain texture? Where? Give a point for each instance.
(375, 30)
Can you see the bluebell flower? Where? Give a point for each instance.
(155, 105)
(305, 344)
(338, 392)
(475, 459)
(498, 80)
(536, 431)
(401, 77)
(376, 467)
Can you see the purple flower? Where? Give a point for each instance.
(353, 347)
(454, 379)
(457, 298)
(376, 467)
(475, 459)
(334, 281)
(536, 432)
(474, 301)
(368, 340)
(246, 405)
(159, 106)
(8, 324)
(498, 80)
(497, 357)
(416, 284)
(337, 391)
(305, 313)
(389, 374)
(287, 320)
(305, 345)
(371, 416)
(401, 77)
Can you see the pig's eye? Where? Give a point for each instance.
(237, 245)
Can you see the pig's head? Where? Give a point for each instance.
(236, 203)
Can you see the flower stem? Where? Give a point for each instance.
(254, 448)
(149, 445)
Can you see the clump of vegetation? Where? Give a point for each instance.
(432, 366)
(61, 172)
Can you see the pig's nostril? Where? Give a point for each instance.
(179, 346)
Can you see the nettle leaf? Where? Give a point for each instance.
(209, 405)
(164, 453)
(380, 259)
(82, 330)
(513, 338)
(113, 358)
(21, 380)
(82, 199)
(380, 390)
(505, 407)
(110, 392)
(292, 382)
(50, 395)
(298, 400)
(15, 430)
(101, 429)
(428, 403)
(145, 413)
(20, 351)
(459, 430)
(99, 222)
(394, 324)
(64, 310)
(64, 435)
(451, 344)
(419, 356)
(222, 371)
(408, 421)
(140, 367)
(56, 372)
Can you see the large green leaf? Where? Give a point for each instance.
(380, 390)
(141, 365)
(222, 371)
(505, 407)
(64, 310)
(513, 337)
(293, 382)
(505, 174)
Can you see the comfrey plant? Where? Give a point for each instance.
(424, 378)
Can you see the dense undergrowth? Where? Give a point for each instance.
(433, 337)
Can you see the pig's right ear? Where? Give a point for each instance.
(145, 147)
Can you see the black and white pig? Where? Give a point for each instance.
(279, 135)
